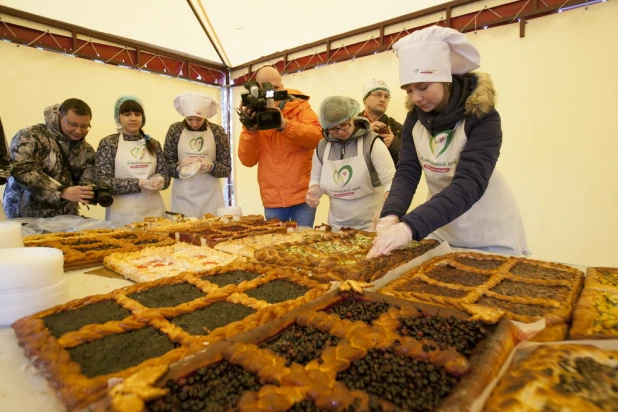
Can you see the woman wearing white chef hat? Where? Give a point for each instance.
(198, 154)
(452, 133)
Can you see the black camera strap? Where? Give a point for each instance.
(65, 161)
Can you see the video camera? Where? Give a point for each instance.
(262, 100)
(102, 195)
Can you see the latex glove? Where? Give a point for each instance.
(145, 185)
(390, 239)
(186, 162)
(386, 222)
(313, 196)
(206, 166)
(157, 182)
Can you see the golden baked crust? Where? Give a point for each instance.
(89, 248)
(555, 377)
(342, 255)
(596, 315)
(602, 278)
(157, 262)
(490, 287)
(52, 355)
(248, 245)
(317, 382)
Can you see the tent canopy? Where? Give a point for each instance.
(241, 31)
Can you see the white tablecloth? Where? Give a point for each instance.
(22, 387)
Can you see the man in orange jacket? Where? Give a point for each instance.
(284, 154)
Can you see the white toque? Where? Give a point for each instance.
(195, 104)
(434, 54)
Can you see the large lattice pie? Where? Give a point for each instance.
(557, 377)
(596, 313)
(89, 248)
(342, 256)
(490, 287)
(81, 345)
(342, 352)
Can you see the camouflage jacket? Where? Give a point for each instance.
(223, 161)
(106, 165)
(39, 172)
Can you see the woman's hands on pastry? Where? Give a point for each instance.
(390, 239)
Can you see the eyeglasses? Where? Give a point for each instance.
(379, 95)
(341, 128)
(74, 125)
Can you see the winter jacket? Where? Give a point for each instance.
(472, 98)
(395, 126)
(378, 165)
(39, 172)
(284, 157)
(106, 165)
(222, 164)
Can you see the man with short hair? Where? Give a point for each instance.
(376, 95)
(53, 165)
(284, 154)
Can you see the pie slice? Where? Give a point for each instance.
(559, 378)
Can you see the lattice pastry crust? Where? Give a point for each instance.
(51, 355)
(490, 287)
(342, 256)
(316, 380)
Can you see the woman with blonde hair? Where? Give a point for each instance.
(453, 135)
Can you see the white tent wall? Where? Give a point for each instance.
(556, 90)
(32, 79)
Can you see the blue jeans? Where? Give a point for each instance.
(303, 214)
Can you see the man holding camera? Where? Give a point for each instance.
(53, 165)
(284, 153)
(376, 96)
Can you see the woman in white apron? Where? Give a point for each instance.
(133, 165)
(453, 135)
(351, 165)
(196, 192)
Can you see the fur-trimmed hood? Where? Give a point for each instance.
(483, 99)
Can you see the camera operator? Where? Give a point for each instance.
(284, 154)
(53, 165)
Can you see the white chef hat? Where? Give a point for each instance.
(195, 104)
(373, 85)
(434, 54)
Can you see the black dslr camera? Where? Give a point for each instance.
(102, 195)
(262, 100)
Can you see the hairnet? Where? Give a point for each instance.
(337, 109)
(123, 99)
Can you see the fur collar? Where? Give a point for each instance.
(482, 100)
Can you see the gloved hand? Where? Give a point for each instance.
(206, 166)
(386, 222)
(186, 162)
(145, 185)
(389, 239)
(157, 182)
(313, 196)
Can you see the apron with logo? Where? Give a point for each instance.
(493, 223)
(353, 199)
(133, 160)
(201, 193)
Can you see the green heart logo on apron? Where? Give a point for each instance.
(440, 142)
(138, 152)
(197, 143)
(343, 175)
